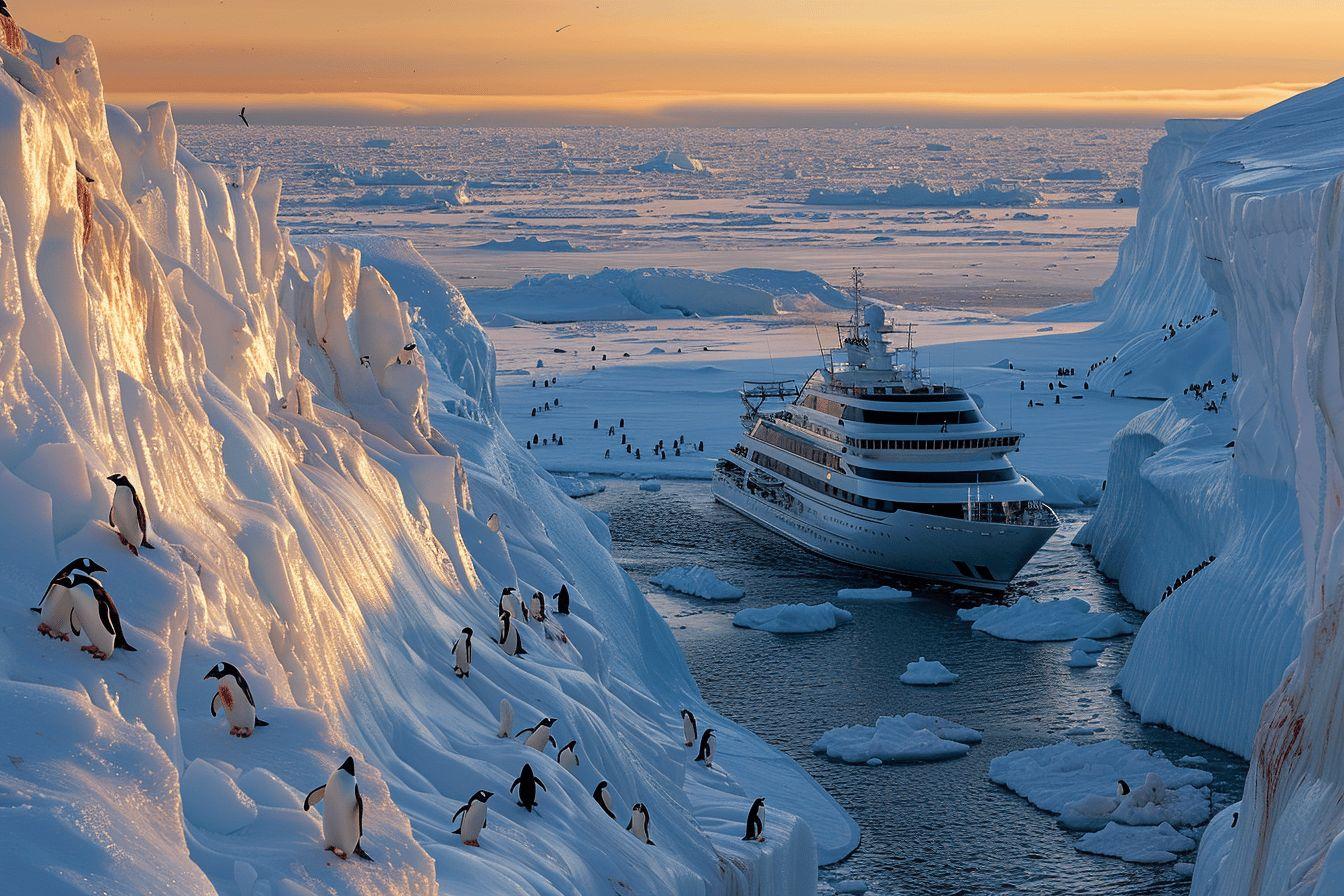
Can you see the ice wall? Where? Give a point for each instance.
(1268, 198)
(327, 520)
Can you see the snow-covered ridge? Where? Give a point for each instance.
(326, 519)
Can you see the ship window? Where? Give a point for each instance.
(984, 573)
(1007, 474)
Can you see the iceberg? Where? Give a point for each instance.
(1051, 620)
(792, 618)
(909, 738)
(697, 581)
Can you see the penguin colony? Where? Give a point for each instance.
(76, 603)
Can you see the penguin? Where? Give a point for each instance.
(462, 655)
(538, 735)
(58, 602)
(407, 354)
(639, 823)
(755, 827)
(706, 754)
(1236, 816)
(503, 594)
(688, 728)
(236, 698)
(538, 606)
(473, 818)
(603, 798)
(509, 638)
(127, 515)
(364, 361)
(1121, 788)
(526, 784)
(568, 757)
(95, 612)
(343, 819)
(505, 717)
(562, 601)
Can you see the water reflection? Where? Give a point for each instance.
(927, 829)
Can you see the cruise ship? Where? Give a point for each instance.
(871, 464)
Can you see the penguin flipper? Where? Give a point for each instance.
(314, 797)
(540, 783)
(214, 705)
(457, 813)
(74, 626)
(260, 723)
(359, 851)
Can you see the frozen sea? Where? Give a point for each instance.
(940, 828)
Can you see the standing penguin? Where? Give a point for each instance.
(505, 717)
(639, 823)
(539, 606)
(526, 784)
(462, 655)
(603, 798)
(343, 818)
(473, 818)
(1122, 788)
(94, 611)
(568, 756)
(755, 827)
(562, 601)
(706, 754)
(58, 601)
(509, 638)
(538, 735)
(688, 729)
(236, 698)
(127, 515)
(407, 354)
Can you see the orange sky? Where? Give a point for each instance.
(704, 61)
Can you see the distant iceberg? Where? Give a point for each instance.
(530, 244)
(918, 195)
(674, 161)
(1076, 174)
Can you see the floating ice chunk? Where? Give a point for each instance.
(673, 161)
(212, 802)
(1078, 782)
(1184, 869)
(885, 593)
(579, 486)
(651, 485)
(1193, 760)
(1080, 659)
(909, 738)
(793, 618)
(1052, 620)
(697, 581)
(1087, 645)
(927, 672)
(858, 887)
(1081, 731)
(1150, 845)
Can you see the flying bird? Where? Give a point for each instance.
(243, 115)
(563, 27)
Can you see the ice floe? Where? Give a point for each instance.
(927, 672)
(697, 581)
(909, 738)
(1051, 620)
(793, 618)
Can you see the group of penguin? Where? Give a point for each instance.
(76, 602)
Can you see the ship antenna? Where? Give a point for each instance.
(857, 280)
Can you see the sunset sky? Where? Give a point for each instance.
(704, 61)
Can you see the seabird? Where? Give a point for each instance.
(563, 27)
(243, 115)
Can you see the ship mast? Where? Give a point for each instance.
(856, 281)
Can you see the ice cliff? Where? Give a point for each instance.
(326, 519)
(1246, 651)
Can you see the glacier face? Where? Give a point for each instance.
(327, 520)
(1245, 650)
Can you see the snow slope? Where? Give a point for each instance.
(328, 526)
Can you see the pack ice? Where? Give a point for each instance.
(330, 507)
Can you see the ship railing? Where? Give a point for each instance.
(1035, 514)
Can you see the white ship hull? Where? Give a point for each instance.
(903, 543)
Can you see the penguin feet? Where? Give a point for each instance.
(340, 853)
(240, 732)
(760, 839)
(471, 843)
(93, 652)
(44, 629)
(690, 743)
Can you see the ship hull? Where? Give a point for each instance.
(981, 555)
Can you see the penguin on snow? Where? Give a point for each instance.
(688, 729)
(127, 515)
(58, 601)
(236, 697)
(568, 756)
(755, 826)
(462, 654)
(603, 798)
(509, 638)
(343, 817)
(526, 784)
(94, 611)
(473, 818)
(707, 743)
(539, 735)
(639, 823)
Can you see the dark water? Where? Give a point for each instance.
(939, 828)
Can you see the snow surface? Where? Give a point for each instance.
(328, 526)
(793, 618)
(927, 672)
(909, 738)
(1147, 845)
(697, 581)
(918, 195)
(1052, 620)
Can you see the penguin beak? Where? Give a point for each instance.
(112, 479)
(487, 794)
(96, 568)
(209, 675)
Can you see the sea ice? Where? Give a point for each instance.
(651, 485)
(1080, 659)
(909, 738)
(579, 486)
(927, 672)
(697, 581)
(1055, 620)
(1149, 845)
(793, 618)
(1078, 782)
